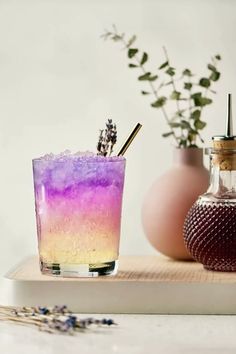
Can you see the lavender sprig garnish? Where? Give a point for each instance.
(107, 139)
(57, 319)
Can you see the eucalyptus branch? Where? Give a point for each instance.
(185, 130)
(140, 63)
(154, 91)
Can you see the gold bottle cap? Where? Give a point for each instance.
(223, 142)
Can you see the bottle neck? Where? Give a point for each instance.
(222, 181)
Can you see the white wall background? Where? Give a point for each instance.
(59, 82)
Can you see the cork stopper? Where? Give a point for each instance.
(224, 146)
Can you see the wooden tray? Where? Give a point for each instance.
(144, 284)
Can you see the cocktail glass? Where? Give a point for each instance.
(78, 201)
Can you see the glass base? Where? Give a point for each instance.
(79, 270)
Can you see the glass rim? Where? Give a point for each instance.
(81, 160)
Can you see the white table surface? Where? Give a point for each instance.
(135, 334)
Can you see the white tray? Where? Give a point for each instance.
(144, 284)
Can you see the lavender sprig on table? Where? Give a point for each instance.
(57, 319)
(107, 139)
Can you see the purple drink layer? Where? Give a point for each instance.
(60, 172)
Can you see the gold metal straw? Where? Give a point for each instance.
(130, 139)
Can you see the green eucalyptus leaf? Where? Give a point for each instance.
(147, 77)
(206, 101)
(170, 71)
(162, 66)
(188, 85)
(175, 95)
(117, 37)
(193, 131)
(165, 135)
(204, 82)
(211, 67)
(195, 114)
(200, 101)
(132, 52)
(196, 95)
(153, 78)
(174, 125)
(145, 93)
(159, 102)
(199, 124)
(183, 143)
(144, 58)
(185, 125)
(193, 146)
(133, 65)
(215, 75)
(192, 137)
(187, 72)
(144, 77)
(179, 113)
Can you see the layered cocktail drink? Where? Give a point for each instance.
(78, 201)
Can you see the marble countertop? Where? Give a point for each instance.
(135, 334)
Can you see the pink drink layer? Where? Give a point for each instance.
(78, 207)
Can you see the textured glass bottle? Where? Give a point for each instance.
(210, 226)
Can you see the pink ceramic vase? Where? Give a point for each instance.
(170, 198)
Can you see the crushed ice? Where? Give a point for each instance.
(83, 155)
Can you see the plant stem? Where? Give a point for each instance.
(156, 96)
(174, 88)
(190, 106)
